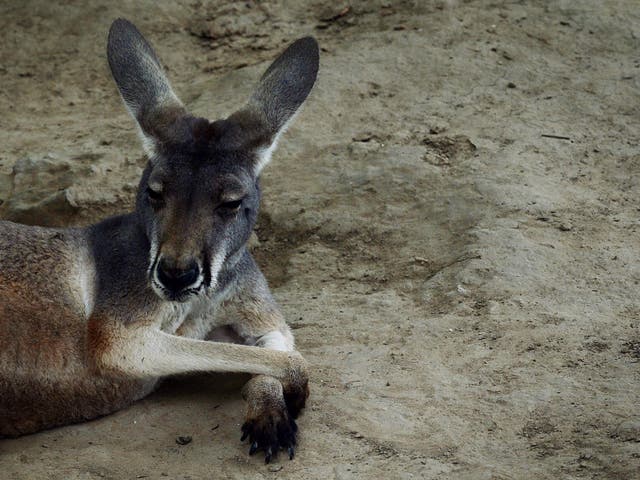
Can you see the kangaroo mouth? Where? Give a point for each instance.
(179, 296)
(171, 292)
(206, 281)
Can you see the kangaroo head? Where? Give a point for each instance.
(199, 194)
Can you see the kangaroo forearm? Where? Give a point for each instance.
(158, 354)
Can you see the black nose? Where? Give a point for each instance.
(175, 278)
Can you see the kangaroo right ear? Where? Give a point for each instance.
(143, 85)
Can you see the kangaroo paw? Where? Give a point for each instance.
(272, 430)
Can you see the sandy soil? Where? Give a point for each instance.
(463, 284)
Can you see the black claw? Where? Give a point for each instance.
(246, 430)
(254, 448)
(271, 432)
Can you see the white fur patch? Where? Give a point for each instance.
(216, 266)
(87, 286)
(264, 153)
(86, 281)
(276, 340)
(148, 143)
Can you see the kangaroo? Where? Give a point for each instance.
(91, 319)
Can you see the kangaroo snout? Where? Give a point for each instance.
(178, 277)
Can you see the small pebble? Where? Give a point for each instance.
(565, 227)
(183, 440)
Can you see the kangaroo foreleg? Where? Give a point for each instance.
(144, 352)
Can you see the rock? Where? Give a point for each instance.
(40, 191)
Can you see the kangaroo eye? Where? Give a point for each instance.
(230, 206)
(154, 195)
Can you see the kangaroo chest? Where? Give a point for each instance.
(191, 319)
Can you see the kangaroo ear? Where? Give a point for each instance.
(278, 96)
(143, 84)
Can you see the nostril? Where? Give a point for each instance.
(191, 274)
(165, 273)
(175, 278)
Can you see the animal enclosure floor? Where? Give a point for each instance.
(451, 227)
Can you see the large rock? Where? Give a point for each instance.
(69, 188)
(38, 191)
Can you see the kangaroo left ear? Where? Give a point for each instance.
(277, 98)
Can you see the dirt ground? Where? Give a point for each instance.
(451, 227)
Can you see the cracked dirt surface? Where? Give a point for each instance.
(451, 227)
